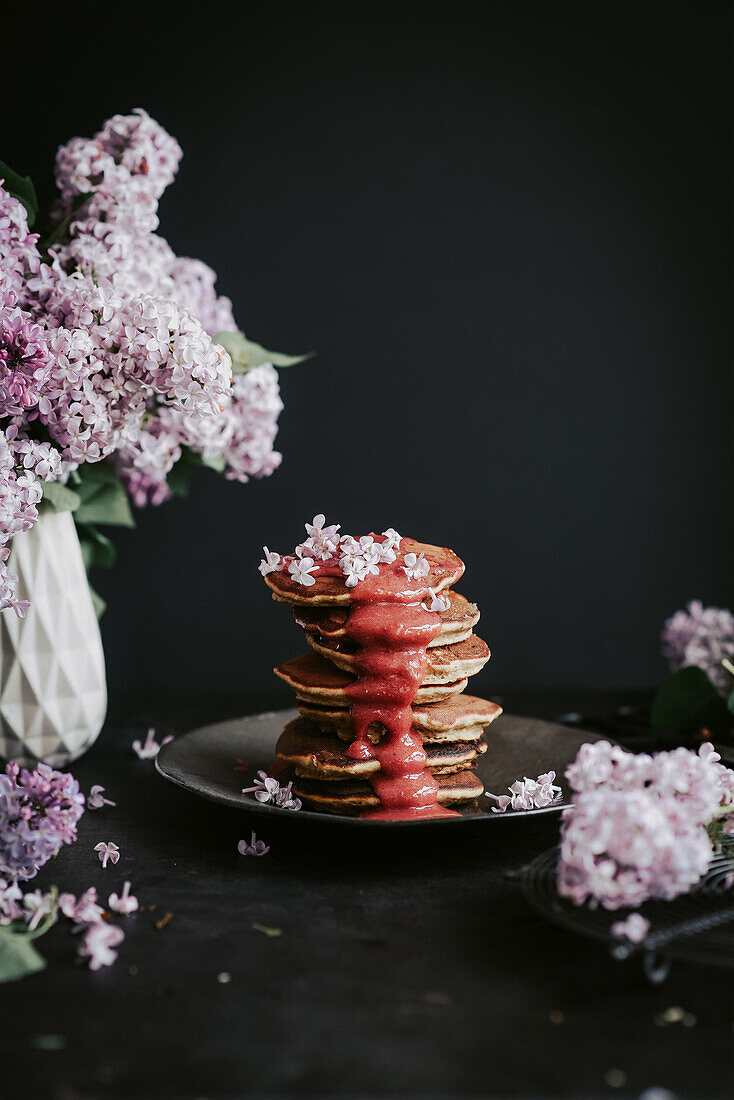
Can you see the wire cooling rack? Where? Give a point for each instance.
(697, 927)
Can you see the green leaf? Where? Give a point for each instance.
(18, 956)
(179, 478)
(98, 603)
(267, 930)
(688, 702)
(61, 230)
(97, 549)
(59, 497)
(21, 188)
(246, 354)
(102, 497)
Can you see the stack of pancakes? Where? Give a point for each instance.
(450, 723)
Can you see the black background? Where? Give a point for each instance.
(505, 230)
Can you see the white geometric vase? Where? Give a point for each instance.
(53, 693)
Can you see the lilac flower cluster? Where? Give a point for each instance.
(357, 558)
(700, 636)
(39, 811)
(267, 789)
(109, 345)
(528, 794)
(638, 827)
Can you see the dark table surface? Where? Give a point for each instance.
(408, 964)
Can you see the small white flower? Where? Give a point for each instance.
(125, 902)
(437, 603)
(301, 569)
(392, 538)
(416, 566)
(150, 748)
(98, 943)
(37, 906)
(271, 563)
(96, 799)
(107, 851)
(254, 848)
(323, 541)
(634, 928)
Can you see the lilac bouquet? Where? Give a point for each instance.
(698, 644)
(39, 811)
(642, 826)
(120, 367)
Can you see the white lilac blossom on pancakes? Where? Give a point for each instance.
(357, 558)
(641, 826)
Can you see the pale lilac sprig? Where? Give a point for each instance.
(254, 848)
(96, 799)
(267, 789)
(148, 749)
(528, 794)
(638, 827)
(38, 905)
(701, 636)
(124, 903)
(107, 850)
(39, 811)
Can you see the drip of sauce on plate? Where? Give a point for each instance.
(393, 630)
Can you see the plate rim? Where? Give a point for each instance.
(249, 803)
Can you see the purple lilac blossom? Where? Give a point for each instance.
(700, 636)
(638, 825)
(39, 811)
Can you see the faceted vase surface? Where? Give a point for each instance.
(53, 692)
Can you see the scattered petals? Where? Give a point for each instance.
(271, 563)
(416, 567)
(528, 794)
(437, 603)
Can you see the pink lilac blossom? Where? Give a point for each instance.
(11, 902)
(39, 811)
(37, 906)
(638, 825)
(267, 789)
(96, 799)
(108, 346)
(357, 558)
(700, 636)
(528, 794)
(149, 749)
(82, 910)
(254, 848)
(634, 928)
(107, 851)
(98, 944)
(124, 903)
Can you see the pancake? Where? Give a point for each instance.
(457, 621)
(316, 756)
(445, 662)
(461, 717)
(351, 796)
(316, 680)
(445, 569)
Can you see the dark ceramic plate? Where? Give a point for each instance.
(204, 763)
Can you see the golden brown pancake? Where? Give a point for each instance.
(445, 662)
(316, 680)
(316, 756)
(351, 796)
(457, 621)
(458, 718)
(445, 569)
